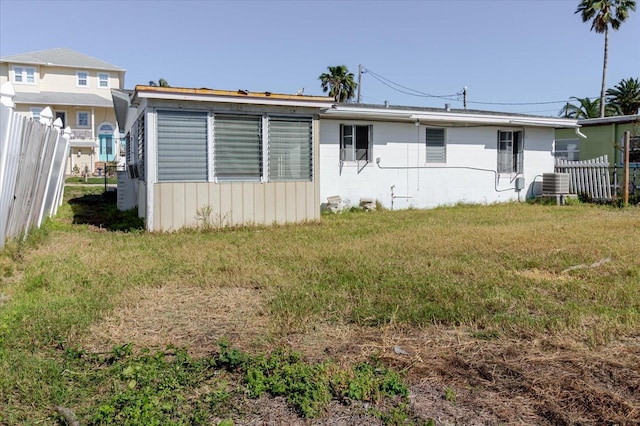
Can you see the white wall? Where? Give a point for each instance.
(402, 146)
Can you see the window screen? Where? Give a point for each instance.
(290, 149)
(238, 147)
(182, 145)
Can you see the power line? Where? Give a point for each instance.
(408, 90)
(453, 97)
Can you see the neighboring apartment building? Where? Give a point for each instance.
(77, 87)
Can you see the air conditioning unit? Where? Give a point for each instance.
(132, 171)
(555, 183)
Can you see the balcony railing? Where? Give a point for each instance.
(82, 134)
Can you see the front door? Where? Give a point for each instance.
(106, 148)
(105, 140)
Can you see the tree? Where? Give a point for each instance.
(339, 83)
(161, 83)
(587, 108)
(602, 14)
(625, 96)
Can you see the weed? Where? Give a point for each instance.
(309, 387)
(450, 395)
(203, 216)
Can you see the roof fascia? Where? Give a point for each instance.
(57, 65)
(216, 96)
(121, 104)
(619, 119)
(450, 117)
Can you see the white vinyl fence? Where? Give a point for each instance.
(32, 160)
(588, 177)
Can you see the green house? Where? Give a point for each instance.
(604, 136)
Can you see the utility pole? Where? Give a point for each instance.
(464, 97)
(359, 81)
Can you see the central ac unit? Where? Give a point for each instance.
(555, 183)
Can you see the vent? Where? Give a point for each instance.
(555, 183)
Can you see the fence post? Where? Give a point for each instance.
(7, 93)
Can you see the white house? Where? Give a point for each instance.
(219, 157)
(244, 158)
(425, 157)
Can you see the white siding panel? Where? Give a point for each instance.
(248, 203)
(280, 202)
(190, 204)
(270, 202)
(226, 205)
(259, 206)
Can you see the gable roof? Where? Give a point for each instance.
(452, 117)
(61, 57)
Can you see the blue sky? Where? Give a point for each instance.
(504, 51)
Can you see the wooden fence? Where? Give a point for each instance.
(32, 160)
(588, 177)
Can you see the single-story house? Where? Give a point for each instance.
(604, 136)
(407, 157)
(202, 156)
(216, 157)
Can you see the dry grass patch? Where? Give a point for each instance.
(182, 316)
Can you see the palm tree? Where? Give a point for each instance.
(605, 13)
(587, 108)
(625, 96)
(161, 83)
(339, 83)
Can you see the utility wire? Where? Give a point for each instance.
(454, 97)
(408, 90)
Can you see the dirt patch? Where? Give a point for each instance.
(455, 378)
(539, 275)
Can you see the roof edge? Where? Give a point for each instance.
(149, 91)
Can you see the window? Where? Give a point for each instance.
(567, 149)
(634, 149)
(138, 131)
(510, 151)
(82, 79)
(17, 74)
(24, 75)
(356, 143)
(242, 146)
(290, 149)
(82, 119)
(103, 80)
(182, 145)
(35, 113)
(436, 149)
(62, 115)
(238, 147)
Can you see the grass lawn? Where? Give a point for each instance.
(511, 313)
(78, 180)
